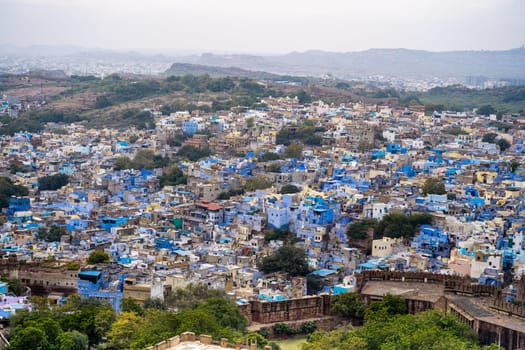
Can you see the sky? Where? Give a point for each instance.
(265, 26)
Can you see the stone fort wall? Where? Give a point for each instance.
(311, 307)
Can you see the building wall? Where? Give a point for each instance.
(287, 310)
(277, 217)
(383, 247)
(43, 281)
(477, 267)
(137, 292)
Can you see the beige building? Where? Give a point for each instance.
(140, 291)
(383, 247)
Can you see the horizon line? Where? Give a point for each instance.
(189, 51)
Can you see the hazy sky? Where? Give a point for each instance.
(265, 26)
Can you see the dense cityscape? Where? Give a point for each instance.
(282, 176)
(270, 204)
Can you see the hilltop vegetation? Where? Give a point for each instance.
(510, 99)
(117, 102)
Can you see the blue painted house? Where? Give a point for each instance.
(95, 284)
(432, 241)
(18, 204)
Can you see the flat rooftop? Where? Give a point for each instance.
(410, 290)
(195, 345)
(480, 309)
(476, 307)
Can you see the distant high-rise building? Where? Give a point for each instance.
(475, 80)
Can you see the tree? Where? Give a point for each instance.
(130, 331)
(50, 327)
(274, 345)
(495, 138)
(39, 303)
(269, 156)
(287, 259)
(395, 226)
(229, 193)
(256, 337)
(314, 284)
(281, 234)
(144, 159)
(155, 303)
(486, 110)
(102, 102)
(313, 140)
(250, 122)
(89, 316)
(176, 140)
(8, 189)
(258, 182)
(390, 305)
(503, 144)
(290, 189)
(67, 326)
(430, 108)
(130, 305)
(398, 225)
(18, 167)
(124, 329)
(52, 182)
(193, 153)
(225, 312)
(54, 234)
(123, 163)
(104, 317)
(455, 130)
(359, 229)
(197, 320)
(173, 177)
(191, 295)
(273, 168)
(29, 338)
(427, 330)
(490, 137)
(348, 305)
(336, 340)
(220, 84)
(284, 137)
(433, 186)
(303, 97)
(294, 150)
(98, 257)
(417, 220)
(73, 340)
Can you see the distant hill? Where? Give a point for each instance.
(51, 74)
(213, 71)
(393, 63)
(400, 63)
